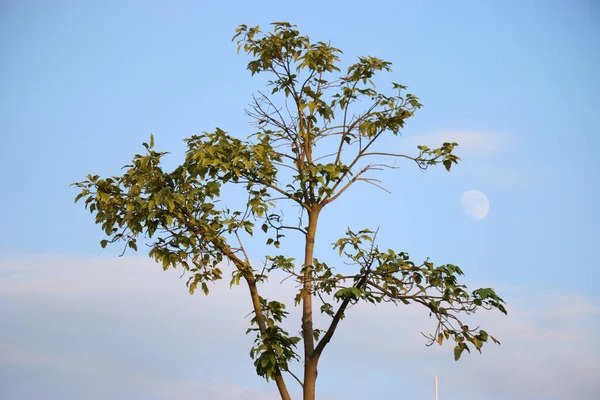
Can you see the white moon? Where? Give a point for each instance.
(475, 204)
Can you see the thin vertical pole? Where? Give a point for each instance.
(436, 388)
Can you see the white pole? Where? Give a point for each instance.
(436, 388)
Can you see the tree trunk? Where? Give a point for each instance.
(310, 364)
(310, 379)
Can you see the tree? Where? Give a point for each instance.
(315, 137)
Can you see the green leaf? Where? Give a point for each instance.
(457, 352)
(447, 165)
(103, 243)
(483, 335)
(192, 287)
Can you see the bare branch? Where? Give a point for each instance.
(295, 377)
(372, 182)
(242, 248)
(390, 155)
(345, 187)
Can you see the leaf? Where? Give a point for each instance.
(316, 334)
(235, 279)
(103, 243)
(447, 165)
(440, 338)
(483, 335)
(192, 287)
(478, 343)
(457, 352)
(356, 292)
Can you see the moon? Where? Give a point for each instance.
(475, 204)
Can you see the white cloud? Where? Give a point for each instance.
(123, 328)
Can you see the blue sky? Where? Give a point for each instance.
(82, 84)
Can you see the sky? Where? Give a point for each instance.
(515, 83)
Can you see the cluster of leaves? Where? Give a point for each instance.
(273, 348)
(392, 277)
(318, 105)
(177, 212)
(176, 209)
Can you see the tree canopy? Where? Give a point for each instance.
(314, 136)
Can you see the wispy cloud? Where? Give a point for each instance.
(123, 328)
